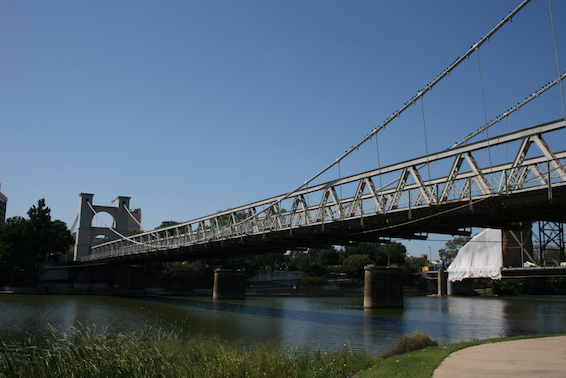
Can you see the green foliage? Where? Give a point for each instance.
(24, 243)
(166, 224)
(350, 260)
(415, 264)
(234, 218)
(326, 257)
(452, 247)
(312, 281)
(409, 343)
(315, 261)
(250, 264)
(354, 265)
(381, 254)
(528, 286)
(185, 275)
(552, 257)
(84, 353)
(423, 362)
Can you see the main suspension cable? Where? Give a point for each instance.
(421, 93)
(408, 104)
(518, 106)
(398, 113)
(111, 229)
(134, 218)
(557, 60)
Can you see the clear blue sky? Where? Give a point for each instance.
(190, 107)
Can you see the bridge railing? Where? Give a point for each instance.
(459, 178)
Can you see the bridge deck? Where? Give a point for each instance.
(528, 186)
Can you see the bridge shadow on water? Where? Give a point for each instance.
(394, 321)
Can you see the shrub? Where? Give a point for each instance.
(409, 343)
(312, 281)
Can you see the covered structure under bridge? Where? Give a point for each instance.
(493, 254)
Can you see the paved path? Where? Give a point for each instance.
(542, 357)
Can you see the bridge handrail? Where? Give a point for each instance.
(209, 228)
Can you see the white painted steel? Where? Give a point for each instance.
(408, 191)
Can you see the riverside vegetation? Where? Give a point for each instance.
(83, 352)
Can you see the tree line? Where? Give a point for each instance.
(25, 243)
(323, 262)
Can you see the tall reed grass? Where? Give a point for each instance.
(84, 352)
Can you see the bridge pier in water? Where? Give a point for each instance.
(108, 278)
(464, 287)
(229, 284)
(383, 287)
(442, 282)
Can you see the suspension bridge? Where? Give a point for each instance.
(502, 181)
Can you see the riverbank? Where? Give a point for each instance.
(309, 323)
(155, 353)
(83, 352)
(520, 356)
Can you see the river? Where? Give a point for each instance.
(326, 323)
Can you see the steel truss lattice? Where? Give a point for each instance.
(462, 178)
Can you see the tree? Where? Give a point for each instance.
(50, 239)
(166, 224)
(354, 265)
(381, 254)
(315, 261)
(452, 247)
(24, 243)
(14, 246)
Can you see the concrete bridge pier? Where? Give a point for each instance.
(464, 287)
(442, 282)
(383, 287)
(111, 278)
(229, 284)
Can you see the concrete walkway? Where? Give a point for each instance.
(542, 357)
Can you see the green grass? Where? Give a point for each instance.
(422, 363)
(84, 352)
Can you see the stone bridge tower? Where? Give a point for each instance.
(86, 233)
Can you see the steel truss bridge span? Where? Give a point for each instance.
(497, 182)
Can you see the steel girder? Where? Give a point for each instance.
(327, 210)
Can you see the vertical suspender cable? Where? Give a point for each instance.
(408, 104)
(339, 177)
(557, 60)
(484, 113)
(425, 138)
(378, 161)
(506, 127)
(419, 95)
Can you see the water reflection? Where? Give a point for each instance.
(326, 323)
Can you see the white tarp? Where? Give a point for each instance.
(481, 257)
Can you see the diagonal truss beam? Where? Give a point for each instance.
(522, 173)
